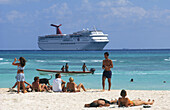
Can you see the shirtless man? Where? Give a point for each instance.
(84, 67)
(107, 73)
(66, 67)
(38, 87)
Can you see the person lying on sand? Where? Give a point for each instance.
(72, 86)
(38, 87)
(21, 88)
(100, 103)
(124, 101)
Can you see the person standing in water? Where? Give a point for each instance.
(84, 67)
(107, 73)
(62, 69)
(20, 73)
(66, 67)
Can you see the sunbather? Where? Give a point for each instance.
(124, 101)
(58, 84)
(38, 87)
(72, 86)
(29, 86)
(100, 103)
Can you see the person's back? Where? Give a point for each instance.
(57, 85)
(71, 87)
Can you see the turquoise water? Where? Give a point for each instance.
(148, 68)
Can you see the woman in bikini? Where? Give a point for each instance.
(20, 73)
(124, 101)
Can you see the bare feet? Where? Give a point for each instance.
(152, 102)
(25, 91)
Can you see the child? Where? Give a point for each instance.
(124, 101)
(58, 84)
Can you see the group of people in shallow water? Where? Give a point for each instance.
(60, 85)
(65, 68)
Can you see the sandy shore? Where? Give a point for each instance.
(76, 101)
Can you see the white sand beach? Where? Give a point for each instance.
(76, 101)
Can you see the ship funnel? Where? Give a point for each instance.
(58, 31)
(94, 27)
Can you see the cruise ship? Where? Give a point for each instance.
(81, 40)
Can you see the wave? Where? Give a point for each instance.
(1, 58)
(96, 60)
(64, 61)
(83, 60)
(167, 59)
(98, 73)
(5, 62)
(40, 60)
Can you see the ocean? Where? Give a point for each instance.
(148, 68)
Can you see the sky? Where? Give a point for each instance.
(130, 24)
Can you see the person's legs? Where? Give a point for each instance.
(109, 81)
(18, 87)
(81, 86)
(43, 87)
(63, 87)
(15, 85)
(113, 101)
(139, 102)
(103, 82)
(148, 103)
(23, 86)
(27, 88)
(87, 105)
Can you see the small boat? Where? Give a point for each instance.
(46, 72)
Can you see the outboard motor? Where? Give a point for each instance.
(92, 70)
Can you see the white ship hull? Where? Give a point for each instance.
(73, 46)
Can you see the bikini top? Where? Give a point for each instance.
(20, 68)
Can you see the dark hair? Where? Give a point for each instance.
(84, 63)
(22, 61)
(36, 78)
(57, 75)
(106, 53)
(94, 104)
(123, 93)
